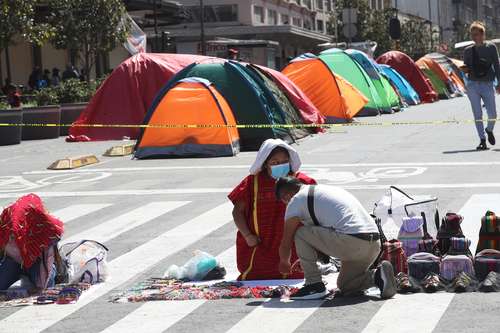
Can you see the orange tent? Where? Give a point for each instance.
(335, 98)
(191, 101)
(429, 63)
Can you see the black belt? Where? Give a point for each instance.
(375, 236)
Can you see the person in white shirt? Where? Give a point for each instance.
(330, 220)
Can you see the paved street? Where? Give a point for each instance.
(154, 213)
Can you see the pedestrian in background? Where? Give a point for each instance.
(56, 78)
(482, 67)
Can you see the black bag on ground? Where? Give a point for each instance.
(486, 261)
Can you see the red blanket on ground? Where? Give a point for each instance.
(261, 262)
(34, 229)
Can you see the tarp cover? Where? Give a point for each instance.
(126, 95)
(410, 71)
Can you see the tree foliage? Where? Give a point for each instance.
(18, 17)
(415, 38)
(87, 27)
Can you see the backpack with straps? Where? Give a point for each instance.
(427, 243)
(489, 235)
(391, 251)
(450, 227)
(410, 234)
(85, 261)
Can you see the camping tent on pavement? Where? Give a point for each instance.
(191, 101)
(342, 64)
(336, 98)
(429, 65)
(404, 88)
(127, 93)
(405, 66)
(389, 98)
(451, 69)
(308, 111)
(252, 102)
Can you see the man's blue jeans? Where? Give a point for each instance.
(485, 91)
(11, 271)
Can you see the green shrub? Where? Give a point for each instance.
(4, 105)
(45, 96)
(72, 91)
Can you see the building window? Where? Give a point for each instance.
(213, 13)
(380, 5)
(320, 25)
(319, 4)
(272, 17)
(285, 19)
(297, 21)
(307, 24)
(258, 14)
(329, 6)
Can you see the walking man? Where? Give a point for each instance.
(330, 220)
(482, 66)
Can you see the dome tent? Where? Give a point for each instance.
(191, 101)
(313, 76)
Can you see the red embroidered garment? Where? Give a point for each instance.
(261, 262)
(34, 230)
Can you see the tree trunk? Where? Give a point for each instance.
(1, 68)
(87, 63)
(7, 62)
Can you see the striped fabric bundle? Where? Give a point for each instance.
(489, 235)
(393, 252)
(34, 229)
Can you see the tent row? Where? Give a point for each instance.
(203, 106)
(361, 86)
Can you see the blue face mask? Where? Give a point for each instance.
(280, 170)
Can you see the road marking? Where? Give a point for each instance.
(73, 212)
(122, 269)
(128, 221)
(395, 314)
(473, 210)
(200, 167)
(276, 316)
(158, 316)
(157, 192)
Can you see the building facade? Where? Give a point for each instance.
(291, 26)
(450, 17)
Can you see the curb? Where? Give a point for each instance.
(73, 162)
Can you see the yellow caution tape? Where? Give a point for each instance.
(257, 126)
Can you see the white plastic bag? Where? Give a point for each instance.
(396, 204)
(195, 269)
(85, 261)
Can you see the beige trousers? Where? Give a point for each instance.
(356, 255)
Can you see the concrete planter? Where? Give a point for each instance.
(11, 135)
(69, 114)
(50, 114)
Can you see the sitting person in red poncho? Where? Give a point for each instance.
(259, 216)
(28, 240)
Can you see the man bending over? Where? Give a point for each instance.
(329, 219)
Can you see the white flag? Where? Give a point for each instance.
(137, 39)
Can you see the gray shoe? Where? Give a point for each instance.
(385, 280)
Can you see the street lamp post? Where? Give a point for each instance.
(202, 29)
(155, 20)
(430, 24)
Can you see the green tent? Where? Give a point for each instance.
(342, 64)
(437, 84)
(388, 97)
(250, 99)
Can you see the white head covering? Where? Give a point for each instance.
(266, 149)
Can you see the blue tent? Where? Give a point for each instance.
(405, 89)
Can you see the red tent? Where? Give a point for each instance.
(126, 95)
(407, 68)
(310, 114)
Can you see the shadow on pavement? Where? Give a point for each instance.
(463, 151)
(328, 303)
